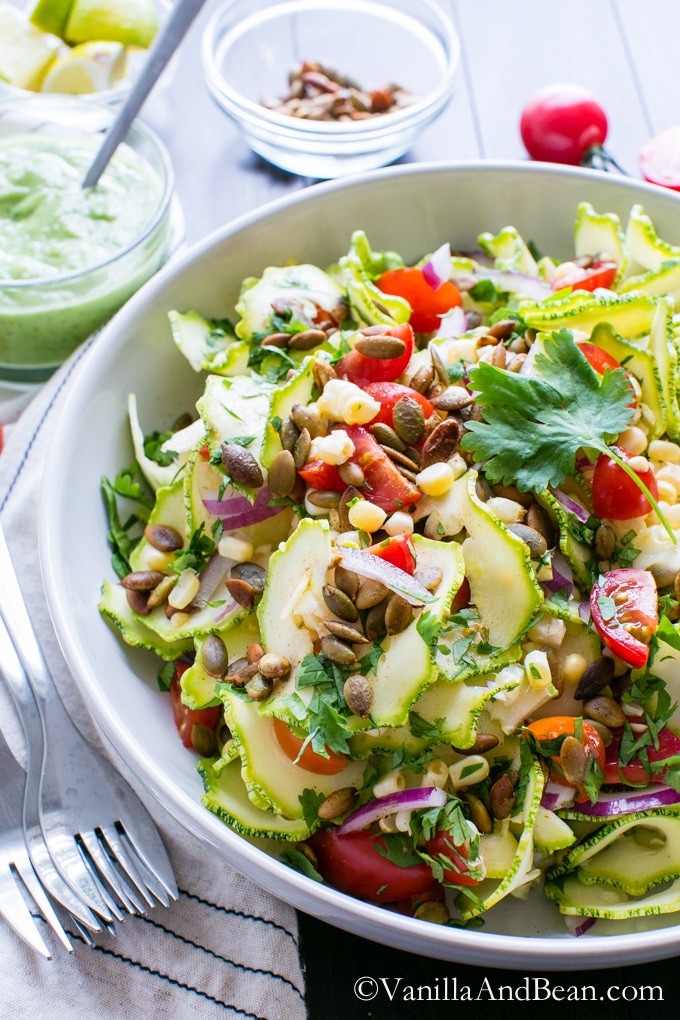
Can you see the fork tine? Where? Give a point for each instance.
(30, 880)
(112, 841)
(18, 916)
(146, 847)
(82, 931)
(68, 860)
(55, 885)
(117, 883)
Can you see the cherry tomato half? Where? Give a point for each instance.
(324, 476)
(398, 551)
(388, 393)
(353, 865)
(564, 725)
(624, 605)
(599, 360)
(362, 370)
(561, 123)
(428, 303)
(660, 159)
(600, 274)
(615, 494)
(184, 717)
(461, 600)
(310, 761)
(635, 772)
(385, 486)
(461, 871)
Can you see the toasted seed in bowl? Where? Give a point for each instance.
(282, 474)
(409, 420)
(214, 656)
(241, 465)
(340, 603)
(358, 692)
(163, 537)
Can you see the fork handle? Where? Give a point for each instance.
(17, 618)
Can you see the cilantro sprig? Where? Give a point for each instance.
(534, 425)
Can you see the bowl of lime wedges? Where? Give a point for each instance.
(90, 48)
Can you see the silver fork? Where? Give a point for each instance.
(15, 864)
(101, 840)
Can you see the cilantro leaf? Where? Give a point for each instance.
(153, 448)
(296, 859)
(593, 779)
(196, 555)
(121, 542)
(166, 674)
(310, 802)
(398, 849)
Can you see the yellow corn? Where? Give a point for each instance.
(366, 516)
(435, 480)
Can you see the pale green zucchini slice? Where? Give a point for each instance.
(305, 289)
(227, 797)
(113, 605)
(599, 234)
(198, 687)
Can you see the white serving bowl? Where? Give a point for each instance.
(412, 209)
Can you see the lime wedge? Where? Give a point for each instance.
(51, 15)
(26, 53)
(131, 22)
(89, 67)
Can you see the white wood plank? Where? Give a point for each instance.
(651, 31)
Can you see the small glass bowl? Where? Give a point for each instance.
(43, 320)
(249, 46)
(109, 97)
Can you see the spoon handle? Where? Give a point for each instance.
(162, 49)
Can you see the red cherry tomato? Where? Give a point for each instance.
(320, 475)
(601, 274)
(461, 871)
(385, 486)
(184, 717)
(561, 123)
(660, 159)
(615, 494)
(388, 393)
(428, 303)
(353, 865)
(310, 761)
(204, 452)
(398, 551)
(564, 725)
(635, 772)
(461, 600)
(624, 605)
(599, 360)
(362, 370)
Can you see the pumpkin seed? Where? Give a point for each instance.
(163, 537)
(531, 538)
(326, 499)
(605, 542)
(203, 740)
(401, 459)
(502, 796)
(409, 420)
(485, 742)
(307, 339)
(440, 368)
(556, 670)
(351, 473)
(503, 329)
(358, 692)
(259, 687)
(138, 601)
(309, 418)
(441, 444)
(282, 474)
(370, 594)
(604, 710)
(241, 673)
(276, 340)
(339, 603)
(241, 465)
(142, 580)
(301, 450)
(337, 803)
(337, 651)
(214, 656)
(452, 399)
(572, 759)
(398, 615)
(380, 346)
(253, 573)
(347, 581)
(273, 666)
(254, 653)
(241, 592)
(345, 632)
(538, 519)
(479, 815)
(288, 434)
(374, 624)
(604, 731)
(387, 437)
(350, 493)
(161, 591)
(323, 372)
(596, 675)
(524, 499)
(423, 379)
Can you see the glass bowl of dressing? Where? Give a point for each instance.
(69, 259)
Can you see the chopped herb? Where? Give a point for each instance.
(398, 849)
(152, 448)
(296, 859)
(240, 440)
(166, 674)
(607, 607)
(121, 542)
(276, 422)
(429, 627)
(593, 779)
(424, 730)
(310, 802)
(200, 549)
(485, 291)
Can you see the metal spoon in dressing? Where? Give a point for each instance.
(163, 47)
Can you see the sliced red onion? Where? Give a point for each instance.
(578, 925)
(519, 283)
(453, 324)
(437, 269)
(563, 577)
(210, 577)
(367, 565)
(402, 800)
(584, 612)
(230, 606)
(571, 506)
(239, 512)
(480, 257)
(614, 803)
(556, 796)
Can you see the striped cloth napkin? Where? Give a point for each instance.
(226, 948)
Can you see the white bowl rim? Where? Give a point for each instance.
(512, 952)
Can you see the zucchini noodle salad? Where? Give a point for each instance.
(412, 565)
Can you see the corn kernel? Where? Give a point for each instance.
(670, 473)
(548, 631)
(507, 510)
(366, 516)
(667, 492)
(435, 480)
(234, 548)
(185, 590)
(673, 516)
(639, 465)
(633, 440)
(399, 523)
(335, 448)
(315, 511)
(537, 670)
(457, 465)
(664, 451)
(573, 667)
(469, 771)
(154, 559)
(178, 620)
